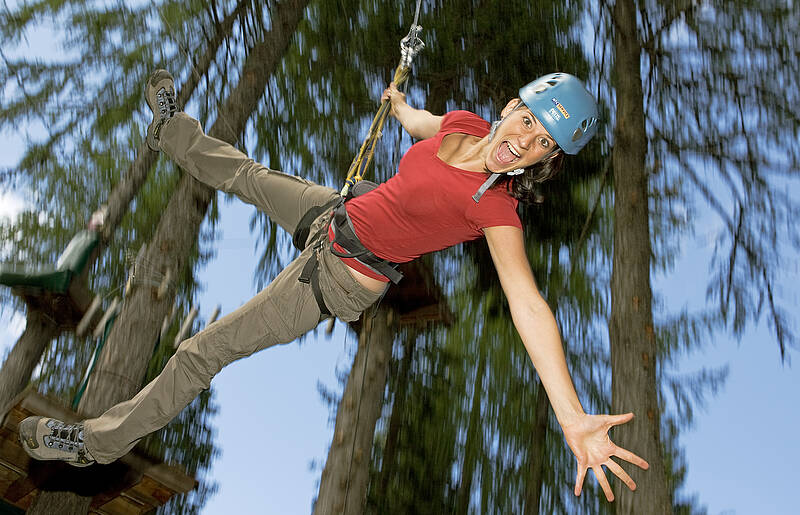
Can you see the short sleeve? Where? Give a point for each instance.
(495, 209)
(465, 122)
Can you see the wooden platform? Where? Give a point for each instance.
(134, 484)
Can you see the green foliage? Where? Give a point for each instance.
(421, 479)
(715, 100)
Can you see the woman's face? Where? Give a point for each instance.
(519, 141)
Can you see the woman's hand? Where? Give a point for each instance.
(587, 436)
(394, 96)
(418, 122)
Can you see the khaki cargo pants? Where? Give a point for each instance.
(283, 311)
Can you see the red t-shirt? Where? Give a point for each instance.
(428, 206)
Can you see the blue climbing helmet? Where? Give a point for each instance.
(565, 108)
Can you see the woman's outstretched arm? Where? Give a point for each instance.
(587, 435)
(419, 123)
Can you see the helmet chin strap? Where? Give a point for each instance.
(488, 183)
(485, 186)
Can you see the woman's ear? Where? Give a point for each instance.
(514, 102)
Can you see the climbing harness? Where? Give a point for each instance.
(344, 237)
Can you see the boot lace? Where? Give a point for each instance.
(167, 107)
(67, 437)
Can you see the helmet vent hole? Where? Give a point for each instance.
(552, 82)
(577, 134)
(540, 89)
(585, 124)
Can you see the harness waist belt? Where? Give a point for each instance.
(344, 235)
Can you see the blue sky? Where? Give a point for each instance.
(741, 454)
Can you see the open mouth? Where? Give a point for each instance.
(506, 153)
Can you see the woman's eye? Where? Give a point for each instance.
(544, 142)
(528, 122)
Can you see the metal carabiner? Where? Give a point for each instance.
(411, 45)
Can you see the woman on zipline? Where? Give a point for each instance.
(446, 191)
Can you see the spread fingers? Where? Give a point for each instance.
(601, 478)
(631, 457)
(620, 473)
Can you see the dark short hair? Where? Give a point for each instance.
(525, 187)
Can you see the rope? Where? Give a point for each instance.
(416, 14)
(410, 46)
(76, 400)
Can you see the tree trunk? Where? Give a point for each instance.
(124, 360)
(537, 452)
(634, 352)
(398, 413)
(25, 355)
(343, 487)
(473, 445)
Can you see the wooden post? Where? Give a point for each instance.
(83, 325)
(186, 327)
(101, 325)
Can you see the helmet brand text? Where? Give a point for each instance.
(560, 107)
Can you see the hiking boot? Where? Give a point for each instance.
(160, 96)
(45, 438)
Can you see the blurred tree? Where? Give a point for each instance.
(699, 88)
(723, 75)
(634, 350)
(467, 66)
(69, 173)
(343, 485)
